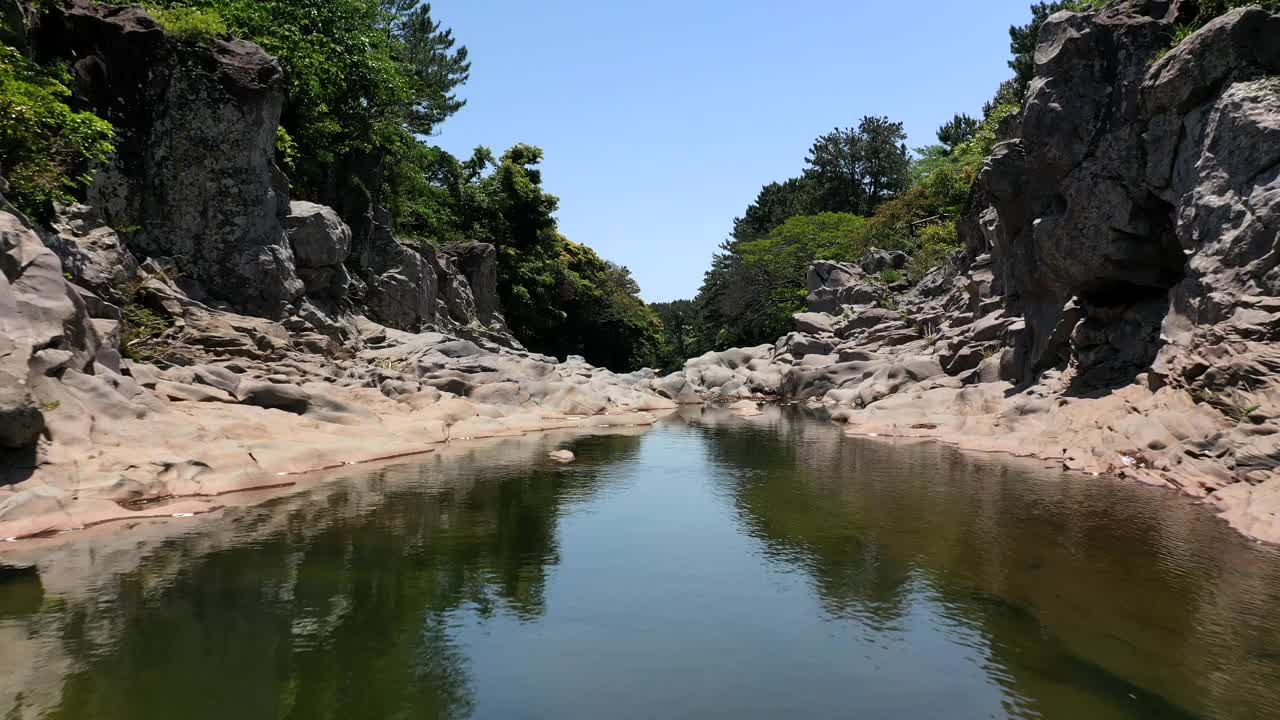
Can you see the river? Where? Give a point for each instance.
(709, 567)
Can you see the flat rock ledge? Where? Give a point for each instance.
(191, 453)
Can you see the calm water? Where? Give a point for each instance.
(710, 567)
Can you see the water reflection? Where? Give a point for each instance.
(713, 566)
(1094, 598)
(334, 605)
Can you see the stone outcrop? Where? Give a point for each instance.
(194, 185)
(478, 264)
(1116, 307)
(260, 337)
(1141, 192)
(193, 177)
(320, 243)
(46, 336)
(400, 283)
(92, 253)
(228, 402)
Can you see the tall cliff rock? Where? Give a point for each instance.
(1138, 207)
(193, 177)
(194, 184)
(1117, 307)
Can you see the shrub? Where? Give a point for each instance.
(890, 276)
(935, 244)
(191, 24)
(47, 150)
(142, 327)
(286, 149)
(1210, 9)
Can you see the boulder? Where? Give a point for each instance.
(45, 330)
(279, 396)
(813, 323)
(824, 273)
(478, 263)
(316, 233)
(320, 242)
(180, 392)
(92, 254)
(401, 284)
(455, 291)
(676, 387)
(876, 261)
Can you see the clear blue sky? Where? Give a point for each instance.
(662, 119)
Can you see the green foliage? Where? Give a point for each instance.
(971, 153)
(775, 203)
(934, 245)
(805, 237)
(959, 129)
(362, 76)
(141, 329)
(890, 276)
(558, 297)
(1009, 93)
(855, 170)
(679, 320)
(756, 284)
(47, 150)
(756, 281)
(286, 149)
(562, 298)
(1210, 9)
(191, 24)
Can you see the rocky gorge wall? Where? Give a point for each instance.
(194, 182)
(1116, 307)
(191, 330)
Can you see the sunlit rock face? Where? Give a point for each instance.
(1117, 305)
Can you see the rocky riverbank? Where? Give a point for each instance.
(191, 331)
(1116, 306)
(232, 402)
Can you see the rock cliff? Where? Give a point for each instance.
(191, 330)
(194, 183)
(1117, 305)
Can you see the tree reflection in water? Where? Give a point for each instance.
(643, 579)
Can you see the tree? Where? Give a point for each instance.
(510, 206)
(426, 49)
(679, 318)
(362, 77)
(834, 171)
(775, 203)
(886, 164)
(47, 150)
(958, 130)
(854, 171)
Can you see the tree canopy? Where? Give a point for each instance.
(855, 170)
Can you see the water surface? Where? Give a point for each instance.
(711, 567)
